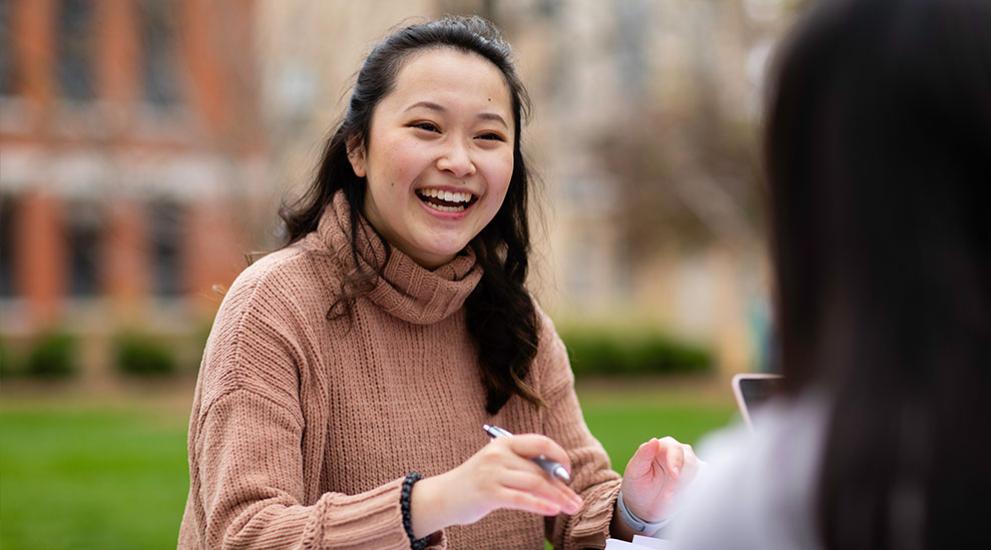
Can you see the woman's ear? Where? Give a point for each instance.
(356, 156)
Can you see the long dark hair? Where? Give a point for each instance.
(500, 313)
(879, 162)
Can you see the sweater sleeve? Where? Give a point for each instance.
(245, 448)
(249, 471)
(592, 477)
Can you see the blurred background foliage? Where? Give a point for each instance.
(142, 354)
(52, 355)
(611, 352)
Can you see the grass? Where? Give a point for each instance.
(90, 478)
(622, 426)
(97, 475)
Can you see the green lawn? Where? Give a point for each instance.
(90, 478)
(621, 426)
(87, 475)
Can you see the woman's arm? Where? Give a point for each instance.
(247, 470)
(246, 474)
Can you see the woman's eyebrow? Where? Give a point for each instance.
(494, 117)
(440, 109)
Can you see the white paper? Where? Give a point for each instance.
(616, 544)
(639, 543)
(650, 542)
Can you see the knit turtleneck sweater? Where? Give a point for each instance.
(304, 424)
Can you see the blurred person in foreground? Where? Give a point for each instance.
(878, 148)
(393, 325)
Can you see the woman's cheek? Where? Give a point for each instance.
(405, 165)
(500, 174)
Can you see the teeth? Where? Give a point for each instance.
(445, 195)
(446, 208)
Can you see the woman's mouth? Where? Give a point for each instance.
(446, 201)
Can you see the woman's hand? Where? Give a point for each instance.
(500, 475)
(657, 471)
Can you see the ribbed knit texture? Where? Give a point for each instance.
(303, 428)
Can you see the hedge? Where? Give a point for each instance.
(140, 354)
(52, 355)
(608, 352)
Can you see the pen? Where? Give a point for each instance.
(549, 466)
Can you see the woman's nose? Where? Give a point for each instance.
(457, 161)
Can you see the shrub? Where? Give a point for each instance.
(200, 340)
(600, 351)
(139, 354)
(6, 362)
(53, 355)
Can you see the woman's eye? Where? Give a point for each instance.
(428, 126)
(492, 137)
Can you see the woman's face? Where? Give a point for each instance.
(439, 155)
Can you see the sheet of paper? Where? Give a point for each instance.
(616, 544)
(650, 542)
(639, 543)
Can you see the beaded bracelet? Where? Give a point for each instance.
(411, 478)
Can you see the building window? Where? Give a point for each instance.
(549, 8)
(84, 230)
(6, 49)
(165, 240)
(75, 34)
(8, 209)
(631, 42)
(159, 76)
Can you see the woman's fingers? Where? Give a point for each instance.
(514, 461)
(675, 460)
(671, 456)
(658, 470)
(527, 502)
(504, 475)
(539, 485)
(643, 459)
(533, 445)
(692, 463)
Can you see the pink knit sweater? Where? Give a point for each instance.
(302, 428)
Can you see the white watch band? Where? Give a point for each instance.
(638, 525)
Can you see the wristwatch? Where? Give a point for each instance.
(638, 525)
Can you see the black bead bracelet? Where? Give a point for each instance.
(411, 478)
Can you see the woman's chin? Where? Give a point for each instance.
(438, 255)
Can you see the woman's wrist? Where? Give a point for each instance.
(426, 507)
(637, 524)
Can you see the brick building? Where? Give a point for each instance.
(131, 158)
(145, 144)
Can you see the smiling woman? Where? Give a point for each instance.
(369, 351)
(439, 155)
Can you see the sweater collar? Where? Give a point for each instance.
(404, 288)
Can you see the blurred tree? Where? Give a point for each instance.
(687, 162)
(688, 176)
